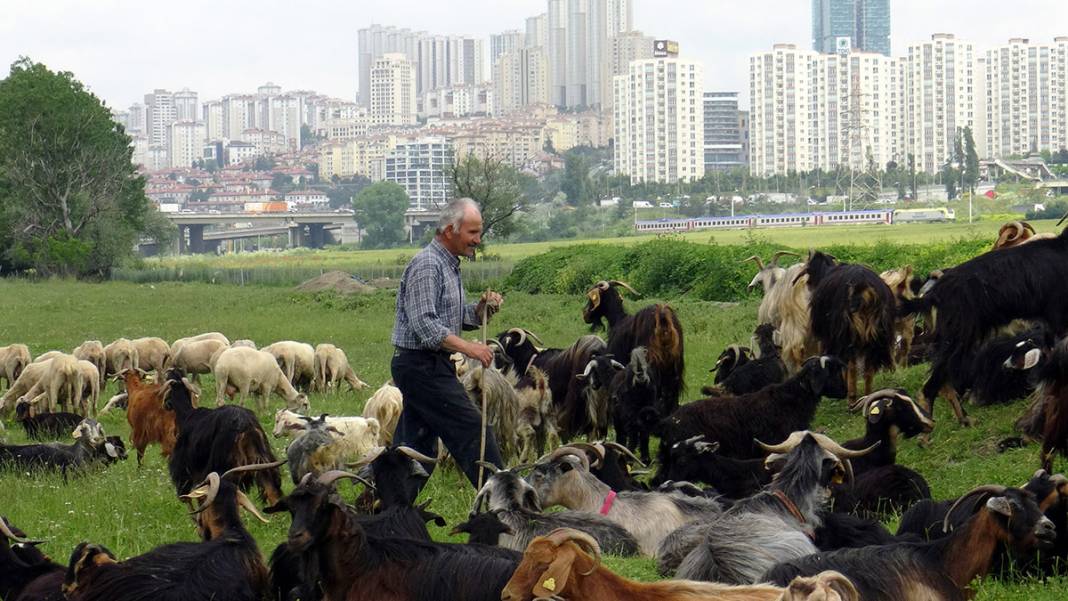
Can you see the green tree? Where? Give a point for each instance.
(949, 179)
(282, 182)
(379, 211)
(263, 163)
(971, 161)
(495, 186)
(576, 182)
(71, 202)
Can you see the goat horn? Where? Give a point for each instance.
(781, 253)
(995, 489)
(416, 455)
(367, 458)
(625, 285)
(1027, 226)
(627, 452)
(589, 368)
(592, 447)
(785, 446)
(213, 491)
(522, 335)
(534, 337)
(564, 451)
(756, 259)
(583, 540)
(920, 413)
(828, 444)
(1062, 220)
(6, 531)
(866, 400)
(246, 503)
(328, 478)
(253, 467)
(493, 469)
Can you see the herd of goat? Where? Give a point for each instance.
(747, 501)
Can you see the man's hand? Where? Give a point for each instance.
(477, 350)
(488, 304)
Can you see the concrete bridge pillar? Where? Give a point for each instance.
(316, 235)
(196, 239)
(296, 235)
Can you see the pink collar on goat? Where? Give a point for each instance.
(609, 500)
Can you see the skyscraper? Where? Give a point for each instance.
(865, 23)
(393, 91)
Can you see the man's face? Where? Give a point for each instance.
(464, 240)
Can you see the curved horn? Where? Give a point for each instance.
(583, 540)
(828, 444)
(756, 259)
(253, 467)
(785, 446)
(625, 451)
(1027, 226)
(493, 469)
(246, 503)
(589, 368)
(598, 451)
(994, 489)
(563, 452)
(416, 455)
(6, 531)
(534, 337)
(625, 285)
(213, 490)
(328, 478)
(781, 253)
(522, 335)
(866, 400)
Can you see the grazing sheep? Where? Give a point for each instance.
(195, 356)
(331, 366)
(177, 344)
(242, 370)
(297, 360)
(120, 354)
(385, 405)
(93, 351)
(13, 359)
(63, 379)
(152, 354)
(24, 383)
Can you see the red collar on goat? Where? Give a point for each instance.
(610, 499)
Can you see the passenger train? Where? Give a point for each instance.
(865, 216)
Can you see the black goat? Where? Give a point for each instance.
(225, 565)
(217, 440)
(598, 377)
(769, 414)
(610, 463)
(354, 564)
(940, 570)
(633, 401)
(881, 486)
(977, 297)
(696, 460)
(655, 327)
(45, 426)
(88, 448)
(26, 574)
(1001, 370)
(766, 369)
(852, 316)
(845, 530)
(730, 359)
(562, 367)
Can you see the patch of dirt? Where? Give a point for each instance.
(338, 281)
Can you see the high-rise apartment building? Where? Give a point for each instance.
(136, 120)
(159, 114)
(392, 91)
(537, 31)
(185, 105)
(659, 121)
(448, 61)
(865, 23)
(579, 34)
(186, 142)
(373, 42)
(622, 49)
(239, 114)
(938, 99)
(213, 120)
(521, 78)
(505, 42)
(421, 167)
(724, 142)
(1026, 98)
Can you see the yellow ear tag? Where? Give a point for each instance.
(875, 411)
(837, 479)
(549, 584)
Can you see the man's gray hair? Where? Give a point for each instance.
(453, 214)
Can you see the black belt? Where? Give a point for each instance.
(399, 350)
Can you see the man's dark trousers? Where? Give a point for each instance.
(437, 406)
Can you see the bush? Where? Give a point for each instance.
(669, 267)
(1053, 210)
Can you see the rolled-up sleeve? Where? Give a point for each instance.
(471, 317)
(422, 288)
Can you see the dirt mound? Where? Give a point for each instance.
(338, 281)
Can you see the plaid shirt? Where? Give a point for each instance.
(430, 301)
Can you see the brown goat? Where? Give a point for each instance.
(904, 325)
(149, 421)
(565, 564)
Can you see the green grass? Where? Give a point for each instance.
(132, 511)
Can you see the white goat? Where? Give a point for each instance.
(385, 405)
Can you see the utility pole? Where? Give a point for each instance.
(862, 185)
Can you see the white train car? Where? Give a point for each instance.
(688, 224)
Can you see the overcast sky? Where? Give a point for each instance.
(122, 49)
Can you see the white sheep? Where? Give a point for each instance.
(62, 379)
(385, 405)
(120, 355)
(93, 352)
(26, 381)
(13, 359)
(177, 344)
(242, 370)
(195, 357)
(297, 360)
(152, 353)
(90, 393)
(245, 342)
(332, 366)
(353, 437)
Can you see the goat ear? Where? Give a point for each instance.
(552, 582)
(1000, 505)
(875, 412)
(530, 500)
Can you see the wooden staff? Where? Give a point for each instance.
(482, 443)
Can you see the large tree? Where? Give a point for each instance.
(379, 211)
(495, 186)
(71, 202)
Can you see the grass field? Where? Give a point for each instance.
(131, 510)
